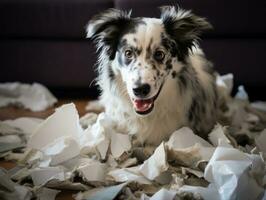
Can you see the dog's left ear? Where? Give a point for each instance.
(104, 29)
(183, 26)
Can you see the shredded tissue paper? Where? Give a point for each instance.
(88, 155)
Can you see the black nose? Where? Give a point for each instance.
(142, 90)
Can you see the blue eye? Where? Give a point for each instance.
(159, 55)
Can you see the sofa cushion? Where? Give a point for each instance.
(241, 18)
(55, 63)
(48, 18)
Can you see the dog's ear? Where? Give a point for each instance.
(105, 28)
(183, 26)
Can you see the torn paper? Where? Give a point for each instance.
(156, 164)
(10, 190)
(120, 143)
(9, 142)
(97, 137)
(35, 97)
(218, 138)
(63, 123)
(61, 150)
(107, 193)
(92, 170)
(46, 194)
(260, 105)
(162, 194)
(128, 175)
(230, 175)
(184, 147)
(241, 93)
(41, 176)
(184, 138)
(100, 135)
(26, 124)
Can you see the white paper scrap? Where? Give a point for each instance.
(231, 176)
(128, 175)
(62, 150)
(35, 97)
(40, 176)
(98, 136)
(187, 148)
(120, 143)
(107, 193)
(19, 193)
(26, 124)
(93, 170)
(184, 138)
(156, 164)
(46, 194)
(164, 194)
(9, 142)
(218, 138)
(229, 172)
(241, 93)
(260, 105)
(63, 123)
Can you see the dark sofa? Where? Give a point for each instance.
(44, 40)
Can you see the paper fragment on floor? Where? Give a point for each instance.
(26, 124)
(156, 164)
(120, 143)
(93, 170)
(187, 148)
(107, 193)
(128, 175)
(46, 194)
(217, 137)
(41, 176)
(35, 97)
(230, 173)
(63, 123)
(61, 150)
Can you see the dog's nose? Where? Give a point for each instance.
(142, 90)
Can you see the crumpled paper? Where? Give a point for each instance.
(35, 97)
(230, 175)
(89, 155)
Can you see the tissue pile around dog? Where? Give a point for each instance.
(88, 155)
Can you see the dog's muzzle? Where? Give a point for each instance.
(145, 106)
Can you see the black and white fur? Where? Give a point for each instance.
(164, 54)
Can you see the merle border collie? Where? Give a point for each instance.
(153, 76)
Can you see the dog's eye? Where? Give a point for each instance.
(128, 53)
(159, 55)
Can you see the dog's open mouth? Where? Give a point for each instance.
(145, 106)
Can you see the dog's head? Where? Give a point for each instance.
(143, 51)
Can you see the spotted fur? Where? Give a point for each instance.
(130, 52)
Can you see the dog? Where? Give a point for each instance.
(153, 76)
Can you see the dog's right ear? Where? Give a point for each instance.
(105, 29)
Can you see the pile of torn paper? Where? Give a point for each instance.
(35, 97)
(88, 155)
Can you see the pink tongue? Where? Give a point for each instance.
(143, 105)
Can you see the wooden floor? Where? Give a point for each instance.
(14, 112)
